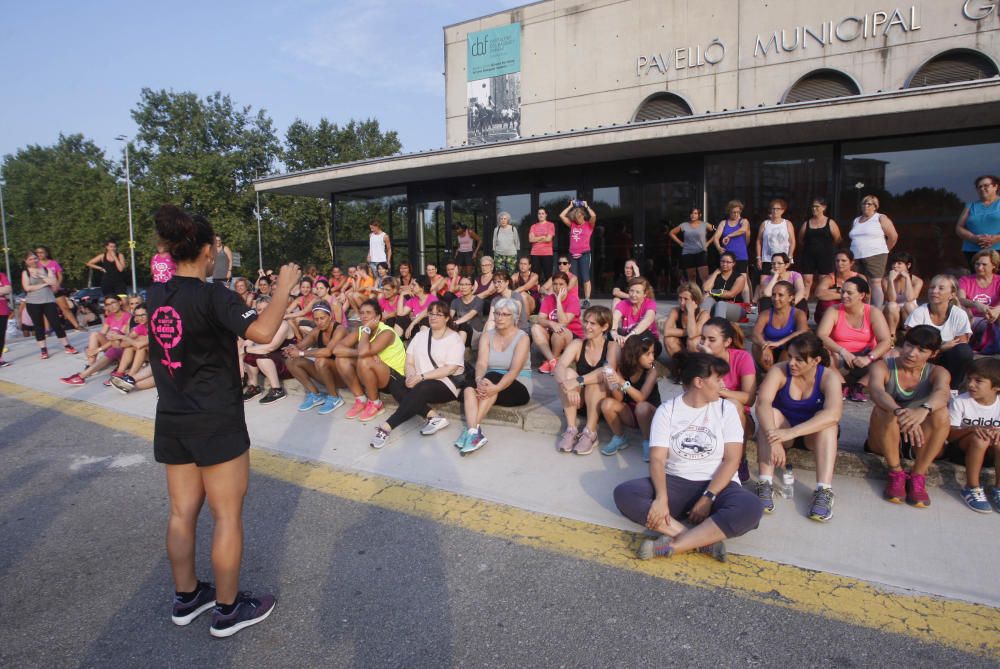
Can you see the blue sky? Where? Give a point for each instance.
(79, 66)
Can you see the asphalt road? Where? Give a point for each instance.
(84, 582)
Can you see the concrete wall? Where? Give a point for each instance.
(579, 59)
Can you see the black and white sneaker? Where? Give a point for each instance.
(250, 392)
(123, 384)
(273, 395)
(249, 611)
(203, 600)
(434, 424)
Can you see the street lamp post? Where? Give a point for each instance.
(131, 235)
(3, 223)
(256, 213)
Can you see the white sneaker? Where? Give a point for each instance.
(433, 425)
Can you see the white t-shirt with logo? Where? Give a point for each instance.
(956, 325)
(696, 437)
(966, 412)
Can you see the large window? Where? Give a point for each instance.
(922, 184)
(613, 242)
(553, 202)
(521, 215)
(353, 213)
(433, 236)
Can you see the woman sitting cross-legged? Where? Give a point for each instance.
(558, 323)
(503, 373)
(695, 444)
(267, 359)
(910, 418)
(776, 326)
(434, 356)
(467, 312)
(582, 380)
(799, 398)
(368, 358)
(682, 328)
(781, 270)
(634, 395)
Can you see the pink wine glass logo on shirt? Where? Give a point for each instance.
(167, 329)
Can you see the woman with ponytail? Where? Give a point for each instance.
(201, 432)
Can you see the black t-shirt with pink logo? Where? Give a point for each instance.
(193, 326)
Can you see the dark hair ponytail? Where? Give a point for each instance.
(697, 365)
(183, 235)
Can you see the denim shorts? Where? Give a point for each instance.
(581, 267)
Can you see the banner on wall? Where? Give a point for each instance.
(494, 88)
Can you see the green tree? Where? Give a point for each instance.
(299, 227)
(202, 154)
(65, 197)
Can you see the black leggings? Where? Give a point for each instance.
(514, 395)
(414, 401)
(542, 266)
(956, 360)
(40, 312)
(3, 333)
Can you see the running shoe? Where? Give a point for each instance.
(659, 547)
(69, 348)
(822, 505)
(250, 392)
(568, 440)
(895, 487)
(4, 363)
(585, 443)
(44, 353)
(585, 304)
(617, 443)
(249, 611)
(462, 439)
(994, 495)
(331, 404)
(311, 400)
(124, 385)
(475, 441)
(975, 499)
(846, 391)
(916, 491)
(273, 395)
(765, 493)
(117, 374)
(73, 380)
(433, 425)
(716, 550)
(371, 410)
(107, 382)
(359, 406)
(203, 600)
(857, 394)
(547, 366)
(379, 438)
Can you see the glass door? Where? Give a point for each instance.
(665, 205)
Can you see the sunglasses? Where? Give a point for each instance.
(563, 262)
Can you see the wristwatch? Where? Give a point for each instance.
(580, 380)
(626, 386)
(709, 494)
(927, 406)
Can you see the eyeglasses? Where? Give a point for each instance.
(434, 313)
(505, 314)
(140, 315)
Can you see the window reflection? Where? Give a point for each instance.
(612, 243)
(521, 216)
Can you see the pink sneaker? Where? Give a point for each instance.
(585, 443)
(547, 366)
(371, 410)
(568, 440)
(895, 488)
(359, 406)
(916, 494)
(74, 380)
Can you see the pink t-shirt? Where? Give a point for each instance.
(118, 322)
(140, 330)
(52, 266)
(417, 308)
(388, 306)
(162, 267)
(571, 305)
(632, 317)
(989, 296)
(579, 238)
(4, 303)
(542, 248)
(740, 365)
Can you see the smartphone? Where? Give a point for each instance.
(577, 203)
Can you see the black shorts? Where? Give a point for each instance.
(815, 261)
(203, 450)
(694, 260)
(465, 259)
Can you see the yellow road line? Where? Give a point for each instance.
(968, 627)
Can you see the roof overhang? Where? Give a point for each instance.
(946, 107)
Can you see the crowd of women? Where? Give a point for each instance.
(452, 333)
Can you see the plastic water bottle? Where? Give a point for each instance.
(787, 483)
(609, 374)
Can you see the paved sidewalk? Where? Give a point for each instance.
(928, 551)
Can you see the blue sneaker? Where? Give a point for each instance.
(995, 498)
(645, 450)
(822, 506)
(975, 499)
(462, 439)
(311, 400)
(331, 404)
(659, 547)
(474, 442)
(617, 443)
(765, 493)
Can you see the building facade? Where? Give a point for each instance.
(647, 108)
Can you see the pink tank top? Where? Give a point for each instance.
(852, 339)
(465, 243)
